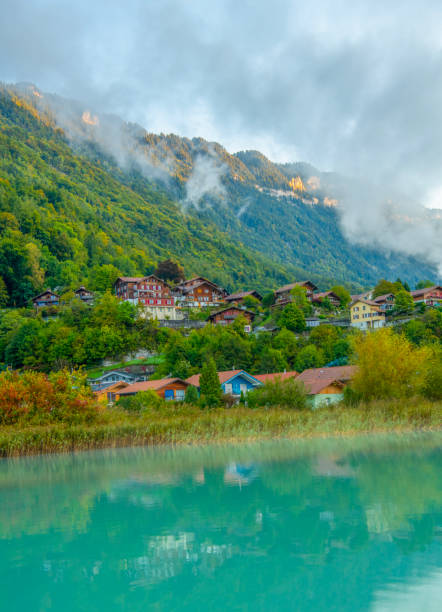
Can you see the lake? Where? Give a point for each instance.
(328, 524)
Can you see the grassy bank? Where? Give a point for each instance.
(183, 425)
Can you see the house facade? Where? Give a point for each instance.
(84, 295)
(318, 298)
(283, 295)
(166, 388)
(229, 314)
(325, 386)
(198, 292)
(110, 378)
(233, 382)
(47, 298)
(366, 314)
(431, 296)
(385, 302)
(151, 292)
(110, 394)
(238, 298)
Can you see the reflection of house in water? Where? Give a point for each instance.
(240, 474)
(334, 466)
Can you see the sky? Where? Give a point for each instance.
(353, 87)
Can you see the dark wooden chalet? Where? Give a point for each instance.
(385, 302)
(84, 295)
(198, 291)
(317, 298)
(239, 297)
(147, 290)
(47, 298)
(283, 295)
(229, 314)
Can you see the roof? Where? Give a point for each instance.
(231, 307)
(82, 288)
(223, 377)
(316, 379)
(324, 294)
(291, 286)
(242, 294)
(369, 302)
(113, 373)
(44, 293)
(383, 298)
(201, 280)
(358, 296)
(152, 385)
(264, 378)
(137, 279)
(419, 292)
(111, 388)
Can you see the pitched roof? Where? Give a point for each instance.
(275, 376)
(383, 298)
(419, 292)
(114, 387)
(129, 279)
(369, 302)
(324, 294)
(153, 385)
(242, 294)
(291, 286)
(232, 307)
(223, 377)
(316, 379)
(44, 293)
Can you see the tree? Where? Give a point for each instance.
(389, 366)
(385, 286)
(292, 318)
(4, 297)
(299, 297)
(403, 302)
(343, 295)
(210, 387)
(102, 278)
(170, 271)
(404, 284)
(309, 357)
(283, 393)
(271, 360)
(268, 300)
(433, 382)
(424, 284)
(191, 396)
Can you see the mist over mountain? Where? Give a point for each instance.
(276, 222)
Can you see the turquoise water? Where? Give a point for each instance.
(321, 525)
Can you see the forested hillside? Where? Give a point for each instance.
(103, 197)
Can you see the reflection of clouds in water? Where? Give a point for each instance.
(422, 594)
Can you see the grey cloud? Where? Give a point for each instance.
(354, 87)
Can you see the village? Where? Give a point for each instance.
(198, 301)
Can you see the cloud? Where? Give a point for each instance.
(352, 87)
(205, 180)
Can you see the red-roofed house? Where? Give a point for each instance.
(326, 385)
(275, 377)
(167, 388)
(431, 296)
(233, 382)
(151, 292)
(229, 314)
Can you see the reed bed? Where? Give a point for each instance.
(188, 425)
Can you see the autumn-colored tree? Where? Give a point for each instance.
(389, 366)
(170, 271)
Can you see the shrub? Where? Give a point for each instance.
(283, 393)
(140, 402)
(191, 395)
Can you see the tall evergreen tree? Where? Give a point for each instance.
(209, 384)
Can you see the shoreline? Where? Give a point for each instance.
(205, 428)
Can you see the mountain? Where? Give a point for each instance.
(80, 193)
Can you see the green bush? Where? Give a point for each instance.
(283, 393)
(145, 400)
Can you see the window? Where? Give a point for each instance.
(206, 291)
(179, 394)
(228, 388)
(363, 308)
(150, 301)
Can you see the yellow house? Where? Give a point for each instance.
(110, 394)
(365, 314)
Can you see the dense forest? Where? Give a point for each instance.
(70, 214)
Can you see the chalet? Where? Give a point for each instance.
(151, 292)
(238, 298)
(366, 314)
(385, 302)
(430, 296)
(47, 298)
(233, 382)
(326, 385)
(198, 292)
(317, 298)
(229, 314)
(110, 378)
(275, 377)
(283, 294)
(84, 295)
(166, 388)
(108, 395)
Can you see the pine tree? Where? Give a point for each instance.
(209, 384)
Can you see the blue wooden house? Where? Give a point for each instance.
(233, 382)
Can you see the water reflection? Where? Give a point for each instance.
(313, 525)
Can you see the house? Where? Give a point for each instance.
(317, 298)
(151, 292)
(366, 314)
(239, 297)
(84, 295)
(277, 376)
(430, 296)
(283, 294)
(47, 298)
(326, 385)
(110, 394)
(110, 378)
(233, 382)
(198, 292)
(167, 388)
(229, 314)
(385, 302)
